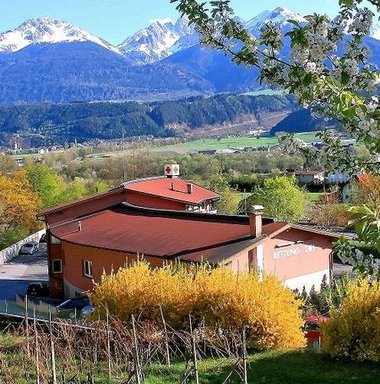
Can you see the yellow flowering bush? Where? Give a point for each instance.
(354, 329)
(218, 296)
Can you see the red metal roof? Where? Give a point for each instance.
(63, 206)
(172, 189)
(158, 234)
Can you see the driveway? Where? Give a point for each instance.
(16, 275)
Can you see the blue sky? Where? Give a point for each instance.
(114, 20)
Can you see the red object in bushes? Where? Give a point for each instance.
(313, 334)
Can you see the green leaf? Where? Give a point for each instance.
(307, 79)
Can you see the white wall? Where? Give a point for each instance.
(308, 281)
(12, 251)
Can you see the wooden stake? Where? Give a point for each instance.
(108, 343)
(195, 361)
(54, 373)
(166, 338)
(245, 373)
(27, 326)
(137, 357)
(37, 348)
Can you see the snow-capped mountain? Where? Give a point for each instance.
(54, 61)
(44, 31)
(161, 39)
(279, 16)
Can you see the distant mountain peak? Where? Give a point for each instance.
(160, 39)
(45, 30)
(279, 16)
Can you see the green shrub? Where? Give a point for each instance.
(354, 329)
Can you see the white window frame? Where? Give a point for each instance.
(87, 268)
(60, 263)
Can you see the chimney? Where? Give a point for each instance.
(256, 220)
(172, 186)
(189, 188)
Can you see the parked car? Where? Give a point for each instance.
(28, 249)
(313, 334)
(77, 303)
(38, 290)
(87, 311)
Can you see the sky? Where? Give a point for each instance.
(114, 20)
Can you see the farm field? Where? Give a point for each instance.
(230, 142)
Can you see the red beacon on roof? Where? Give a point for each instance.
(172, 170)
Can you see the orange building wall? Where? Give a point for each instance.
(302, 264)
(139, 199)
(313, 254)
(55, 279)
(102, 260)
(87, 207)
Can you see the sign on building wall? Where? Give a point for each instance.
(295, 251)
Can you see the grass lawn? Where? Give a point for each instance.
(296, 367)
(229, 142)
(313, 196)
(303, 366)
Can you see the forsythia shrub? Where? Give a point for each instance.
(219, 296)
(354, 329)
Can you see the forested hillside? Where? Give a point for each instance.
(44, 124)
(301, 121)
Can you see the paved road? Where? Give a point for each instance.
(18, 273)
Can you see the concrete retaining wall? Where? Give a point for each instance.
(12, 251)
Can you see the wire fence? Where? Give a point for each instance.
(121, 352)
(35, 307)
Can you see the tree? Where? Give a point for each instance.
(18, 203)
(74, 191)
(363, 254)
(229, 201)
(45, 181)
(366, 190)
(7, 165)
(336, 86)
(281, 198)
(326, 69)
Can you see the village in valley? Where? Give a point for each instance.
(197, 204)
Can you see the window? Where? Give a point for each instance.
(87, 268)
(57, 266)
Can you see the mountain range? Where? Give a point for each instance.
(47, 60)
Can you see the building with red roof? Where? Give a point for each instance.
(165, 192)
(167, 219)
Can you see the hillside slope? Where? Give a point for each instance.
(44, 124)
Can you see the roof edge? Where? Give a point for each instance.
(61, 207)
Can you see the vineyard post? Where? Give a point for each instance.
(54, 373)
(36, 346)
(245, 374)
(194, 349)
(27, 326)
(108, 343)
(166, 338)
(137, 357)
